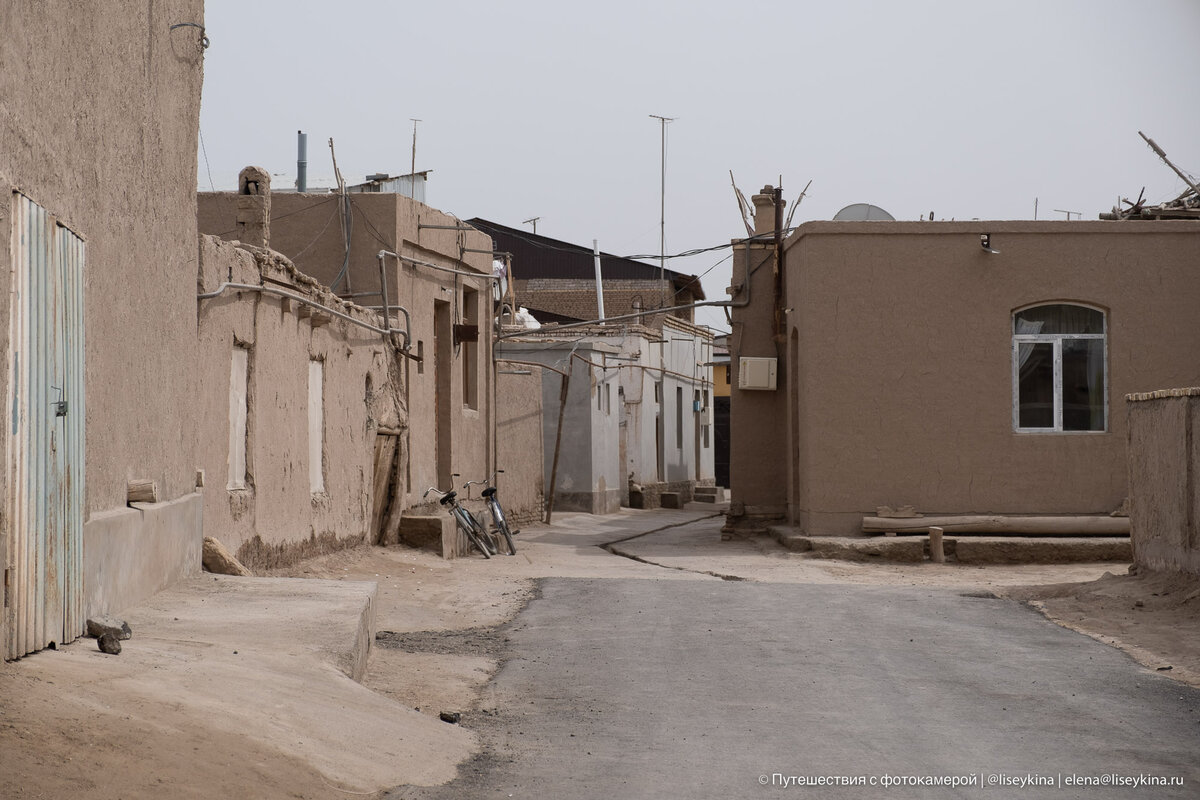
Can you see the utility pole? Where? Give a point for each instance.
(412, 173)
(662, 219)
(532, 221)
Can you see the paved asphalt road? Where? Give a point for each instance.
(706, 689)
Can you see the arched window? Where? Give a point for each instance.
(1060, 379)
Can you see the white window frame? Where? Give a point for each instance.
(1055, 340)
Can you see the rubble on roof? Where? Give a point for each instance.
(1186, 206)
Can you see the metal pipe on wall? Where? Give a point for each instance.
(299, 298)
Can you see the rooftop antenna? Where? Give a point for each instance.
(744, 207)
(662, 220)
(412, 174)
(532, 221)
(1189, 180)
(787, 226)
(1078, 214)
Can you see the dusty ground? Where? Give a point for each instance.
(435, 652)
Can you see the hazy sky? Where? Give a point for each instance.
(542, 108)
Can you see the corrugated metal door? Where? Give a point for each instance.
(44, 600)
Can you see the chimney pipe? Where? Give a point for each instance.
(301, 161)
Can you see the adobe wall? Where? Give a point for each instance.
(1164, 469)
(519, 450)
(576, 297)
(277, 517)
(904, 371)
(588, 477)
(758, 458)
(306, 228)
(99, 110)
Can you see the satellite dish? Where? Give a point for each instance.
(862, 212)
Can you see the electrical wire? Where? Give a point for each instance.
(275, 217)
(371, 229)
(308, 247)
(541, 243)
(204, 150)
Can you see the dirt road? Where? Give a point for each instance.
(89, 734)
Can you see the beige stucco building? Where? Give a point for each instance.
(957, 367)
(97, 220)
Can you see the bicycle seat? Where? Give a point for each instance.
(448, 498)
(488, 492)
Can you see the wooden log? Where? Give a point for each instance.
(936, 554)
(217, 559)
(141, 491)
(1015, 525)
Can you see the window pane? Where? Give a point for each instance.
(1058, 319)
(1083, 384)
(1035, 392)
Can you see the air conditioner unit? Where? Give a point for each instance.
(757, 373)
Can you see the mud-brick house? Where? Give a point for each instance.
(433, 274)
(301, 407)
(958, 367)
(99, 107)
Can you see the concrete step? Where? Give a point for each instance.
(709, 494)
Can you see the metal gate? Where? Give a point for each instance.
(44, 573)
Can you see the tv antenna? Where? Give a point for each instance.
(662, 219)
(532, 221)
(412, 175)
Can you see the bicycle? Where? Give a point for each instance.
(463, 519)
(493, 504)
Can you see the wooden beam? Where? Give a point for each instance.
(1015, 525)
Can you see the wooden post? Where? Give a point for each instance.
(936, 554)
(562, 408)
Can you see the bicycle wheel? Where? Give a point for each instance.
(472, 532)
(502, 526)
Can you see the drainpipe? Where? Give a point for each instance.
(301, 161)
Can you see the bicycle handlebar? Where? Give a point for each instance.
(484, 482)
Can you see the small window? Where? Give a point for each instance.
(316, 426)
(470, 351)
(1060, 376)
(239, 378)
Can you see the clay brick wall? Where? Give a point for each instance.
(1164, 470)
(577, 298)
